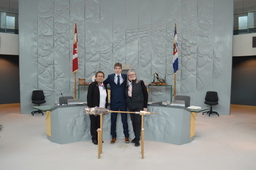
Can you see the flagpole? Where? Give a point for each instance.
(74, 85)
(174, 88)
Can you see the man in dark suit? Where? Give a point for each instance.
(117, 82)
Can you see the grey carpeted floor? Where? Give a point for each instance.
(221, 143)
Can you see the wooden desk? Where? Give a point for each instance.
(193, 120)
(47, 109)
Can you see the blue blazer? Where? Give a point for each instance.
(117, 92)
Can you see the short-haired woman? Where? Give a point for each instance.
(97, 96)
(137, 100)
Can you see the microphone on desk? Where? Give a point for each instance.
(61, 99)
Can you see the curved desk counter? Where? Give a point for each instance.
(69, 123)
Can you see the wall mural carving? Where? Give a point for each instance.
(141, 36)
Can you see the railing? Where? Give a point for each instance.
(244, 23)
(9, 22)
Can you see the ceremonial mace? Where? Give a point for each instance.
(103, 111)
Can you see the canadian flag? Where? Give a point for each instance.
(75, 46)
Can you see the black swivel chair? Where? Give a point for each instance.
(38, 98)
(211, 99)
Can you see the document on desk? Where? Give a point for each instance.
(194, 107)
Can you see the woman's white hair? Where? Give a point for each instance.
(132, 70)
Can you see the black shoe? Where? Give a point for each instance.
(95, 142)
(133, 141)
(137, 143)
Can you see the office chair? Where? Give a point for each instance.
(211, 99)
(38, 98)
(64, 99)
(184, 98)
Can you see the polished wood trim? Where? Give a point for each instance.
(236, 106)
(2, 106)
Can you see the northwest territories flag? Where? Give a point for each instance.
(175, 52)
(75, 57)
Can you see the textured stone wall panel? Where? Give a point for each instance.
(132, 34)
(28, 53)
(188, 47)
(135, 32)
(205, 44)
(106, 53)
(144, 44)
(169, 51)
(158, 48)
(158, 36)
(45, 52)
(92, 35)
(62, 53)
(131, 43)
(174, 15)
(118, 32)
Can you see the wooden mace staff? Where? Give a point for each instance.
(102, 111)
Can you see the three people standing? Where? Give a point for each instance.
(126, 93)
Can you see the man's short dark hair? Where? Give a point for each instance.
(118, 65)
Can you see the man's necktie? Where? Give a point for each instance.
(118, 80)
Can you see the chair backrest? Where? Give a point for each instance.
(64, 99)
(211, 96)
(185, 98)
(37, 95)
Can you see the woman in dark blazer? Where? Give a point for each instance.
(97, 96)
(137, 100)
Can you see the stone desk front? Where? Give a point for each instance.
(69, 123)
